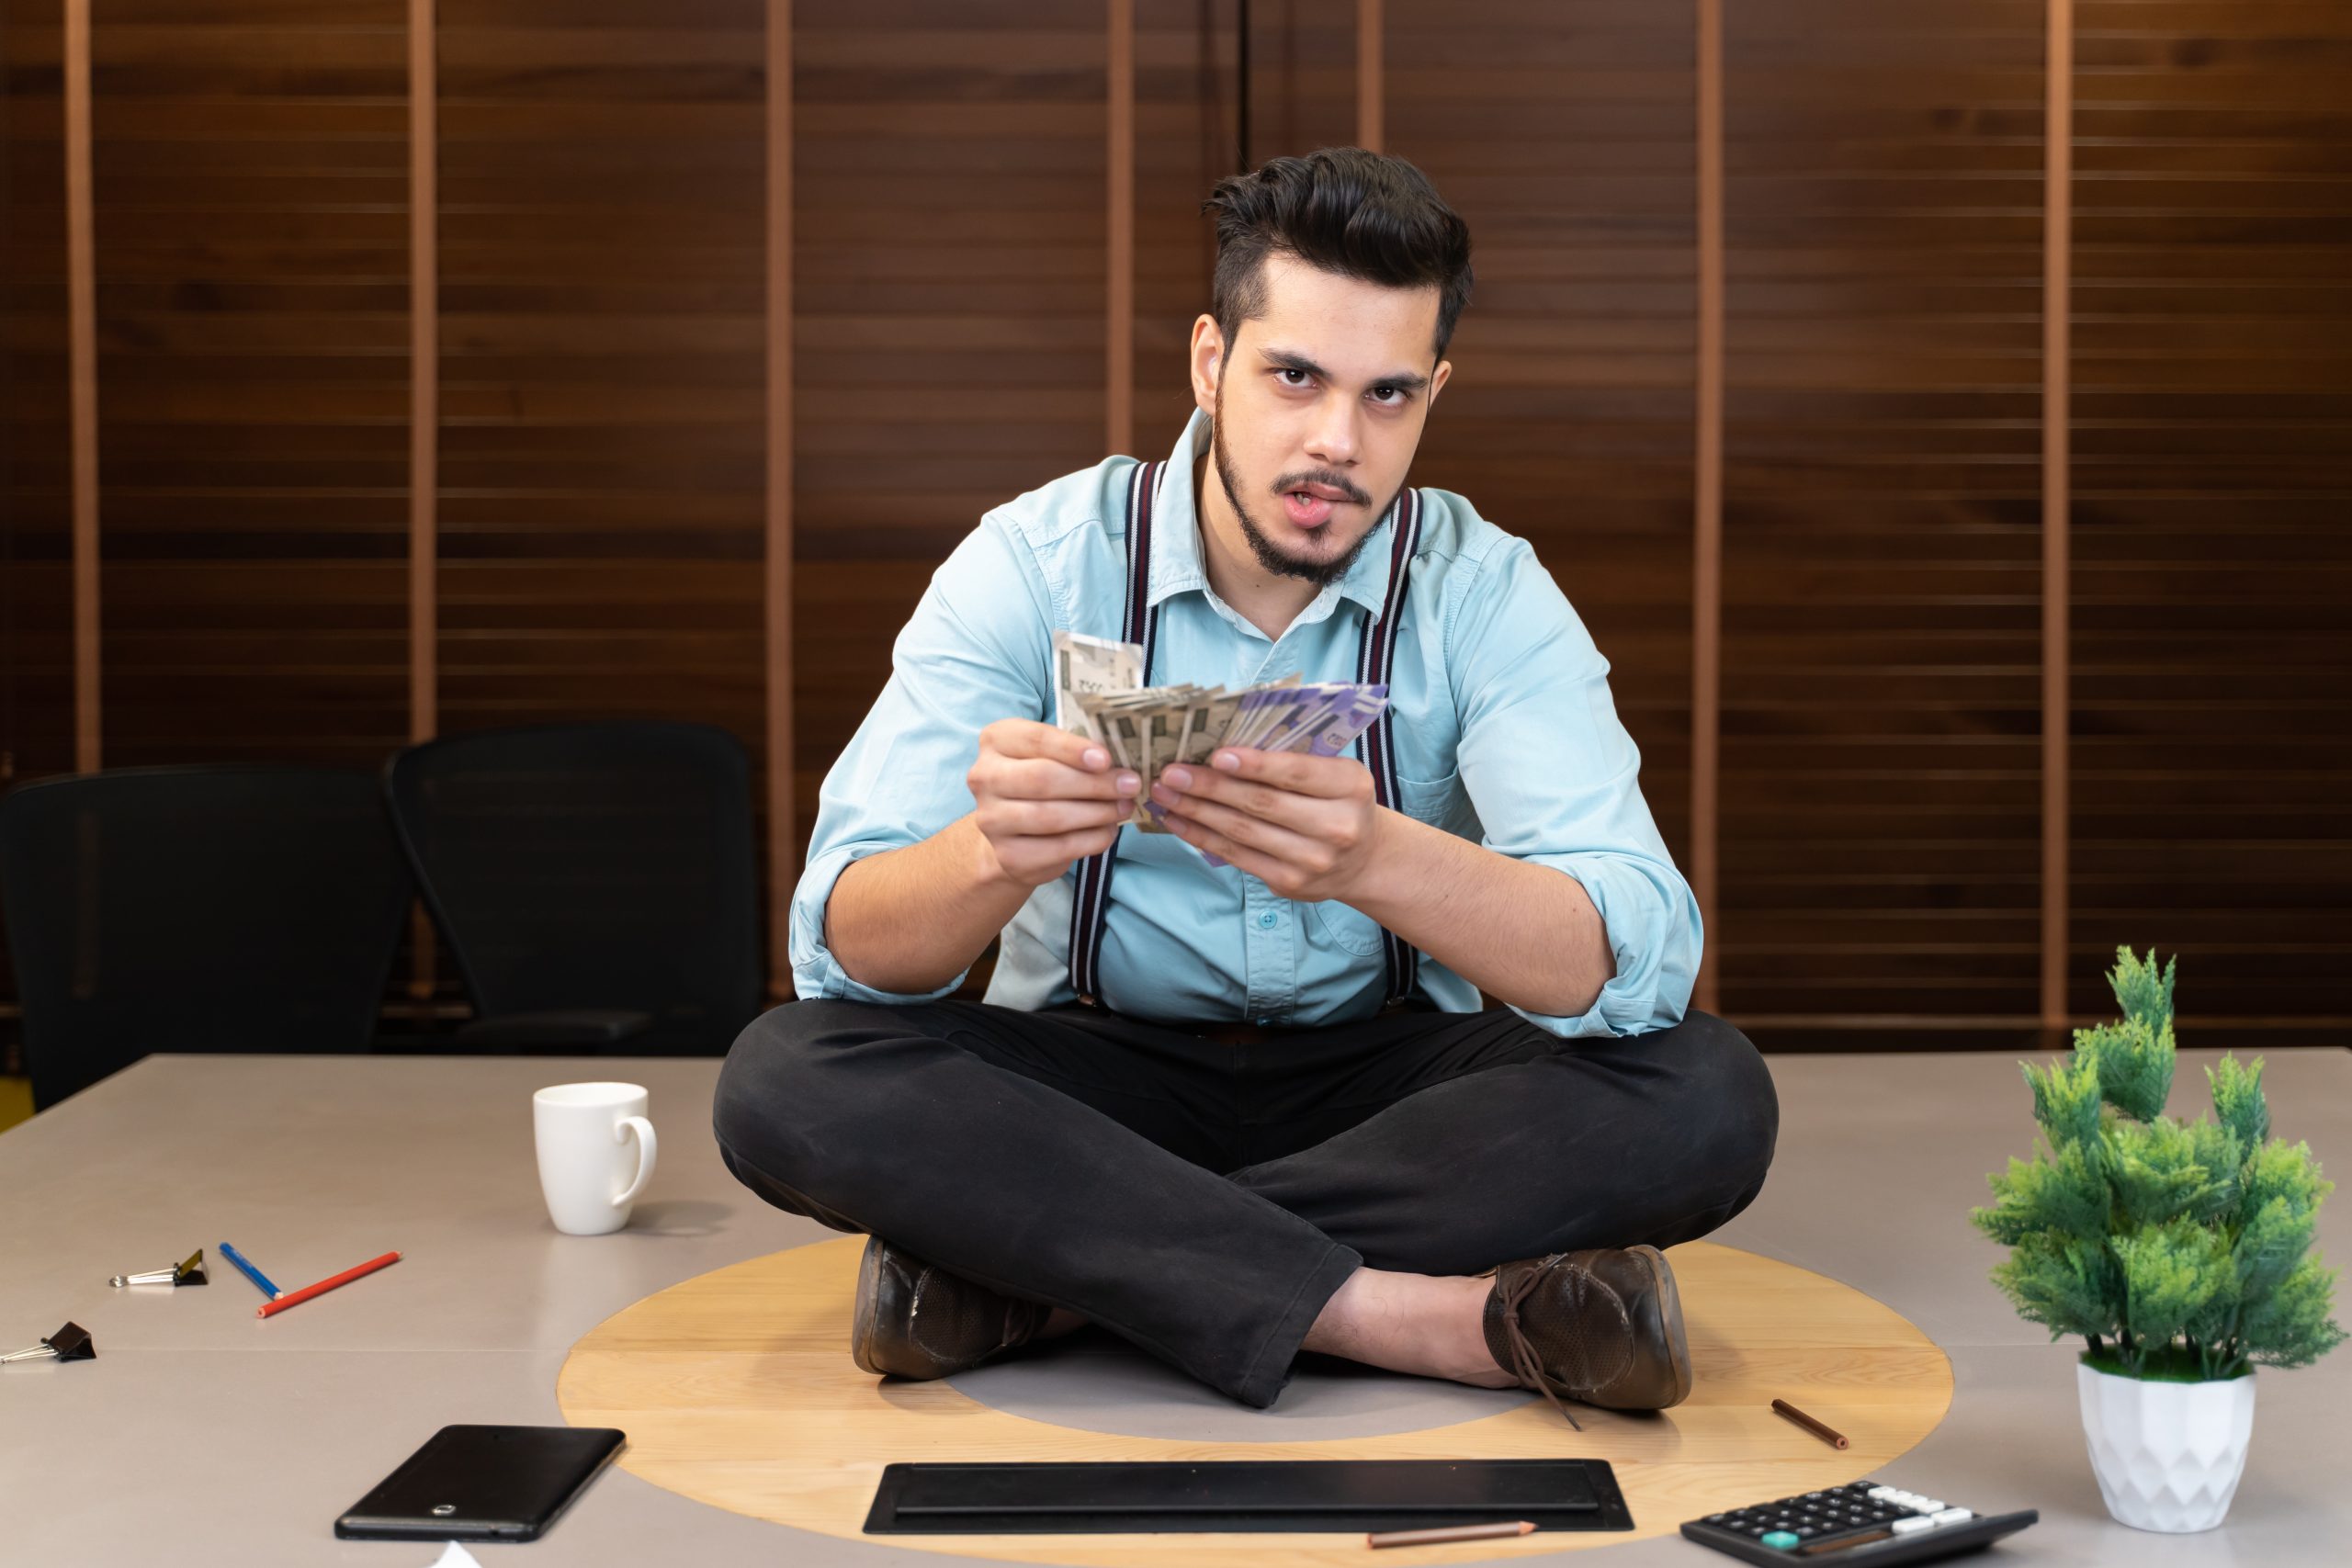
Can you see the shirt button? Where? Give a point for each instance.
(1268, 920)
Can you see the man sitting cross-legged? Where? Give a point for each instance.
(1231, 1112)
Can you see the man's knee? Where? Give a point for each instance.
(765, 1099)
(1732, 1110)
(756, 1070)
(771, 1079)
(783, 1044)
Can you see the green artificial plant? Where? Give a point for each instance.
(2179, 1250)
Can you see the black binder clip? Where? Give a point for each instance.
(190, 1273)
(71, 1343)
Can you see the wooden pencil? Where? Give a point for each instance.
(1444, 1533)
(1836, 1439)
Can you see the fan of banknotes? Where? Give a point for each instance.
(1099, 692)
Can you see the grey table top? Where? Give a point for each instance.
(204, 1434)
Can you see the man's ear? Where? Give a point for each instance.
(1438, 378)
(1207, 361)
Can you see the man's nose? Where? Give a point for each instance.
(1333, 440)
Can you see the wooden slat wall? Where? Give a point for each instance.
(36, 506)
(1119, 225)
(1302, 79)
(602, 518)
(604, 361)
(1704, 861)
(1565, 134)
(601, 515)
(81, 370)
(36, 483)
(252, 270)
(781, 856)
(2212, 506)
(1882, 556)
(2057, 649)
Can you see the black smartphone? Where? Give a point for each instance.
(482, 1483)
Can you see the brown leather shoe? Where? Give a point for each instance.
(1603, 1326)
(913, 1320)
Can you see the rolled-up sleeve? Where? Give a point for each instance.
(1556, 780)
(977, 648)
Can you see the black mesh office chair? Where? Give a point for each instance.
(595, 882)
(199, 908)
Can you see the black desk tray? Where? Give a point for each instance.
(1245, 1495)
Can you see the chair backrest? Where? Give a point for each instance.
(197, 909)
(592, 865)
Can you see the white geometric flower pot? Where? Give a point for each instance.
(2167, 1455)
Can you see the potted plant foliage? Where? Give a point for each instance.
(2179, 1250)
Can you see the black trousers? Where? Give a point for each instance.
(1203, 1201)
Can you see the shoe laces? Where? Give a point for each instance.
(1525, 1362)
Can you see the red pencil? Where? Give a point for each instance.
(323, 1286)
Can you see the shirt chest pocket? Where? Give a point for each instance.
(1441, 803)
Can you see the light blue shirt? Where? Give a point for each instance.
(1505, 735)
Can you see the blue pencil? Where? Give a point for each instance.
(250, 1272)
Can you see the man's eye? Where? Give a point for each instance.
(1300, 373)
(1389, 397)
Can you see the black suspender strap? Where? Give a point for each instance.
(1140, 625)
(1377, 746)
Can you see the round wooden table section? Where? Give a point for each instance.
(736, 1389)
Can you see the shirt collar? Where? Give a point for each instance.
(1176, 563)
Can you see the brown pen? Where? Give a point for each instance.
(1835, 1439)
(1445, 1533)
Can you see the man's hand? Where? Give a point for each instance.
(1043, 798)
(1301, 825)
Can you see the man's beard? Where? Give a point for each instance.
(1269, 554)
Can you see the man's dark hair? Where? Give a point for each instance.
(1344, 209)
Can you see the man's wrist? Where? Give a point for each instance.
(1381, 871)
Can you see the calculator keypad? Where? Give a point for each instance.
(1864, 1525)
(1839, 1510)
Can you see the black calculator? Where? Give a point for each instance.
(1867, 1522)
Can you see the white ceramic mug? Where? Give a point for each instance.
(585, 1163)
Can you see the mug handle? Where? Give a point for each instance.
(646, 1149)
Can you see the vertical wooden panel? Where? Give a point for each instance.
(423, 426)
(1119, 156)
(82, 334)
(250, 178)
(2057, 249)
(605, 362)
(2211, 366)
(37, 663)
(1564, 135)
(783, 833)
(37, 404)
(425, 367)
(1707, 567)
(1882, 697)
(1302, 80)
(1372, 66)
